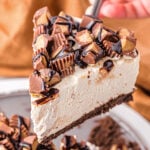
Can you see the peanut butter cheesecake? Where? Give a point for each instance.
(81, 69)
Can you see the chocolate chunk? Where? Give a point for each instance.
(63, 63)
(128, 40)
(88, 22)
(43, 41)
(40, 59)
(29, 143)
(49, 76)
(41, 16)
(36, 84)
(108, 65)
(50, 95)
(60, 44)
(112, 47)
(84, 38)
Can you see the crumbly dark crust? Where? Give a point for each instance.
(99, 110)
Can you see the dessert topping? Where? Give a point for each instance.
(42, 16)
(128, 40)
(40, 59)
(84, 38)
(60, 44)
(64, 62)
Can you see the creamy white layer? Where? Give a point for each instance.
(82, 92)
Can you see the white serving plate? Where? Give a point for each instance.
(15, 99)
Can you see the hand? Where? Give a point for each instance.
(124, 8)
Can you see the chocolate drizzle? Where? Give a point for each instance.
(48, 96)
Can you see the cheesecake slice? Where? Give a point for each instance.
(81, 69)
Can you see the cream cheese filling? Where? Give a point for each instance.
(83, 91)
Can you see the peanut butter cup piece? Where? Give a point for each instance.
(4, 119)
(49, 76)
(106, 34)
(21, 126)
(60, 44)
(88, 22)
(41, 16)
(6, 129)
(113, 48)
(43, 41)
(62, 25)
(92, 53)
(83, 38)
(97, 30)
(29, 143)
(36, 84)
(40, 29)
(40, 59)
(128, 41)
(63, 62)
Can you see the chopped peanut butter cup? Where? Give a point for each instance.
(128, 41)
(62, 63)
(84, 38)
(42, 16)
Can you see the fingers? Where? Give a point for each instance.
(125, 8)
